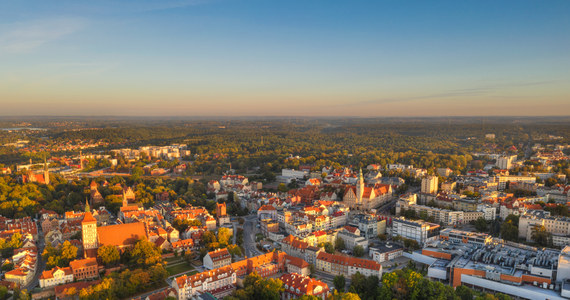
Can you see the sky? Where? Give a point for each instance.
(285, 58)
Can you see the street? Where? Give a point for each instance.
(249, 231)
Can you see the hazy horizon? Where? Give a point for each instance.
(238, 58)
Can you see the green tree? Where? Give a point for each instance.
(329, 248)
(358, 251)
(513, 218)
(309, 297)
(541, 236)
(339, 283)
(481, 225)
(3, 292)
(464, 292)
(109, 255)
(145, 253)
(509, 231)
(208, 237)
(258, 288)
(339, 244)
(60, 256)
(234, 250)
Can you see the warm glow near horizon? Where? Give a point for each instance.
(284, 58)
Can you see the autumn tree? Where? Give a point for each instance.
(145, 253)
(224, 236)
(109, 255)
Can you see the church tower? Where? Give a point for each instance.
(359, 187)
(125, 200)
(87, 206)
(46, 172)
(89, 235)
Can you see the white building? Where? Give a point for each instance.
(506, 162)
(56, 276)
(420, 231)
(385, 252)
(429, 185)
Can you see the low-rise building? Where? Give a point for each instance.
(346, 265)
(297, 285)
(388, 251)
(420, 231)
(84, 269)
(217, 259)
(56, 276)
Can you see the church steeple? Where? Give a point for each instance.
(360, 187)
(46, 171)
(87, 206)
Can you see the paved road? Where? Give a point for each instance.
(234, 224)
(249, 231)
(142, 296)
(329, 278)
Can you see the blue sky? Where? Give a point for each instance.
(272, 57)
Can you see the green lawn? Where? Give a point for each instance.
(173, 259)
(177, 269)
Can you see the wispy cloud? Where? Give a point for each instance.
(466, 92)
(27, 36)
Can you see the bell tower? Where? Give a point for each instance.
(89, 235)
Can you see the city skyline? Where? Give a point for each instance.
(285, 58)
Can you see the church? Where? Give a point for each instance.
(362, 197)
(121, 236)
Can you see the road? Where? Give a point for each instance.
(249, 231)
(329, 278)
(41, 265)
(142, 296)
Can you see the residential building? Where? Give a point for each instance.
(217, 258)
(385, 252)
(84, 269)
(347, 265)
(297, 285)
(56, 276)
(506, 162)
(429, 185)
(352, 240)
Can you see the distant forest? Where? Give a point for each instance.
(266, 143)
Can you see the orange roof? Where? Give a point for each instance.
(296, 261)
(49, 273)
(303, 284)
(16, 272)
(219, 254)
(88, 218)
(349, 261)
(82, 263)
(121, 235)
(267, 207)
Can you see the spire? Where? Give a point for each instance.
(87, 206)
(125, 201)
(46, 171)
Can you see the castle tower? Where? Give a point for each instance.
(220, 210)
(89, 235)
(359, 187)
